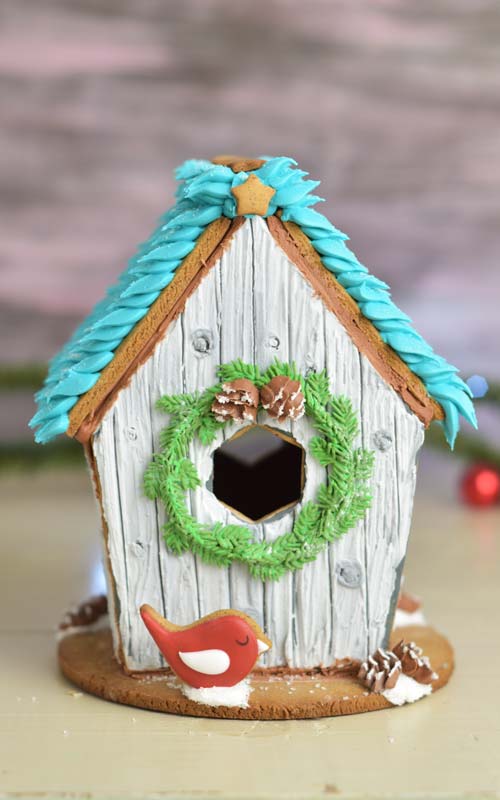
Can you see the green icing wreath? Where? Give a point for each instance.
(338, 506)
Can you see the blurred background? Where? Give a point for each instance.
(395, 105)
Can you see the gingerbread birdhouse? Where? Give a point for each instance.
(251, 403)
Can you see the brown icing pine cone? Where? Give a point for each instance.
(237, 400)
(282, 398)
(86, 613)
(380, 671)
(413, 662)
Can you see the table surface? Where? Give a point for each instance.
(57, 742)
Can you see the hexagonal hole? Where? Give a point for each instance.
(258, 472)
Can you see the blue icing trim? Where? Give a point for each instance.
(192, 168)
(203, 195)
(170, 250)
(179, 234)
(94, 363)
(144, 300)
(291, 194)
(51, 412)
(100, 334)
(149, 283)
(382, 311)
(76, 383)
(52, 428)
(119, 317)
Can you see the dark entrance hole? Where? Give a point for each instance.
(258, 472)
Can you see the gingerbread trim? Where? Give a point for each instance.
(136, 348)
(239, 163)
(138, 345)
(365, 336)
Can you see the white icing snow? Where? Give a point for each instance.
(209, 662)
(220, 695)
(99, 625)
(402, 618)
(407, 690)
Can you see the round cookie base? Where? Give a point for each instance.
(86, 659)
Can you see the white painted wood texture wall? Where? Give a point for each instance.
(255, 305)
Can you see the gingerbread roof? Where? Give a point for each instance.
(186, 242)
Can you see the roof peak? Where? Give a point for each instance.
(239, 163)
(205, 193)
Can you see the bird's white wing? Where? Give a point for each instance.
(209, 662)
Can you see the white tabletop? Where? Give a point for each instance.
(56, 742)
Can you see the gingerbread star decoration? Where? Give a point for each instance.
(253, 196)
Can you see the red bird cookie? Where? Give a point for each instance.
(217, 650)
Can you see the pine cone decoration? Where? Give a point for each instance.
(86, 613)
(381, 671)
(238, 400)
(413, 663)
(282, 398)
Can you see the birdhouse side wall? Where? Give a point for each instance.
(255, 305)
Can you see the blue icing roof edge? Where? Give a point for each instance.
(204, 195)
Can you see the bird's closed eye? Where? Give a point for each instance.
(243, 643)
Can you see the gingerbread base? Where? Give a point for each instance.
(87, 660)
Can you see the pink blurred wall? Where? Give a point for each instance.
(395, 105)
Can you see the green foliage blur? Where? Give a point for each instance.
(64, 452)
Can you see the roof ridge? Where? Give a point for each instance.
(203, 195)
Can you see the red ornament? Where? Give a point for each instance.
(480, 485)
